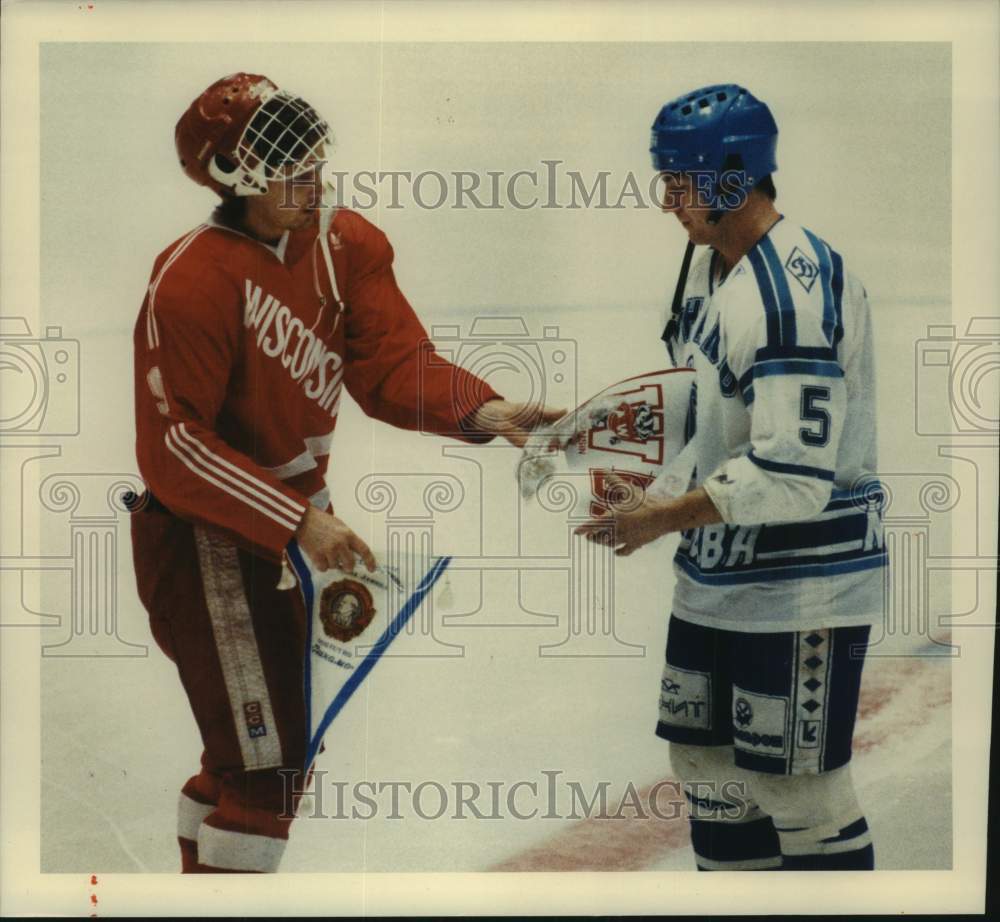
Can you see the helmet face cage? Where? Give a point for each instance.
(284, 131)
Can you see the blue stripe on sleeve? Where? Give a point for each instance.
(837, 504)
(786, 305)
(767, 296)
(797, 367)
(863, 493)
(825, 272)
(802, 470)
(837, 285)
(822, 353)
(849, 832)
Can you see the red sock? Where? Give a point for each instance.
(189, 855)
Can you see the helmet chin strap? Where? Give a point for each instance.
(670, 330)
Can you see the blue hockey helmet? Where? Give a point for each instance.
(717, 128)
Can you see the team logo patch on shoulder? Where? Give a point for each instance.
(346, 608)
(802, 268)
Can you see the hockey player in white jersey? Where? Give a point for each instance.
(781, 561)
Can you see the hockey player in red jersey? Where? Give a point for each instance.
(251, 326)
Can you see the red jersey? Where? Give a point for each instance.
(241, 352)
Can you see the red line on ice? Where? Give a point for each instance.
(896, 696)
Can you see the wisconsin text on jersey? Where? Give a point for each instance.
(252, 324)
(310, 354)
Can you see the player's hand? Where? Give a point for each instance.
(330, 543)
(513, 421)
(636, 517)
(633, 519)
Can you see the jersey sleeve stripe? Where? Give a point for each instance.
(193, 463)
(767, 296)
(798, 367)
(802, 470)
(837, 284)
(825, 274)
(265, 492)
(819, 353)
(152, 330)
(863, 494)
(786, 305)
(152, 339)
(798, 360)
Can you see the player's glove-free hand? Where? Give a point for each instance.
(516, 422)
(330, 543)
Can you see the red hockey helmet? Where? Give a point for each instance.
(243, 132)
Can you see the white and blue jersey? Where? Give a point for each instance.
(783, 408)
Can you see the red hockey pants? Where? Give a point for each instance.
(238, 643)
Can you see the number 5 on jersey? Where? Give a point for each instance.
(818, 433)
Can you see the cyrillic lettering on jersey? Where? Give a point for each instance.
(710, 343)
(688, 315)
(721, 546)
